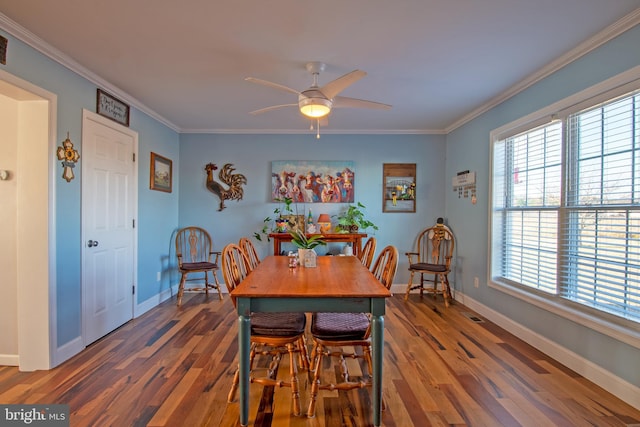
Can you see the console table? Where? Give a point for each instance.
(354, 238)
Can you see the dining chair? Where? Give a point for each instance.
(250, 251)
(272, 334)
(367, 252)
(432, 259)
(339, 330)
(194, 250)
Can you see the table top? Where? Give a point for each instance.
(334, 277)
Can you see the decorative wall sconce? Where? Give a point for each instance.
(69, 158)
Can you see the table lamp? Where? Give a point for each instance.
(325, 223)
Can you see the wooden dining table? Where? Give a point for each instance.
(336, 284)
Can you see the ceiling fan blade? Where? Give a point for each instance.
(345, 102)
(271, 84)
(273, 107)
(334, 87)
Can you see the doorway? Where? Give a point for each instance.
(27, 294)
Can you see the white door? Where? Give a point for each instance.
(108, 213)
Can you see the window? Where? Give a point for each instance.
(566, 207)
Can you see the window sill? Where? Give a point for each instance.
(623, 331)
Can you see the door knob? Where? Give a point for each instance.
(92, 243)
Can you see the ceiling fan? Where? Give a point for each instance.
(316, 102)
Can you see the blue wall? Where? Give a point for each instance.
(251, 155)
(158, 212)
(468, 148)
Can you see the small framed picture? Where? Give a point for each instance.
(161, 174)
(111, 107)
(399, 187)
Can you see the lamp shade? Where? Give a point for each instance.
(313, 104)
(325, 223)
(324, 218)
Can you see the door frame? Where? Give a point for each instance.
(89, 115)
(36, 302)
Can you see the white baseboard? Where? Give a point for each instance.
(152, 302)
(67, 351)
(156, 300)
(9, 360)
(613, 384)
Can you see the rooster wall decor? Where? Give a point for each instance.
(235, 181)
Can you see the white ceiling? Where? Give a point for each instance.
(438, 62)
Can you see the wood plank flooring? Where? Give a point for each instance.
(442, 367)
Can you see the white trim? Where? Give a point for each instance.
(626, 23)
(619, 331)
(622, 25)
(88, 115)
(158, 299)
(51, 52)
(616, 331)
(323, 131)
(150, 303)
(49, 360)
(617, 81)
(597, 374)
(69, 349)
(9, 360)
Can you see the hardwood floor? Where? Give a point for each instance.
(174, 366)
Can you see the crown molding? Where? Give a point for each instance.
(626, 23)
(46, 49)
(323, 131)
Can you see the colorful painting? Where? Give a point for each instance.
(313, 181)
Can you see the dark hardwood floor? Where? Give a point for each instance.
(442, 367)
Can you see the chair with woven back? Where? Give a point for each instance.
(194, 250)
(339, 330)
(432, 258)
(250, 251)
(272, 334)
(367, 252)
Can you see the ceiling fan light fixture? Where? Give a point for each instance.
(315, 107)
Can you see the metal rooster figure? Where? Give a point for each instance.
(235, 181)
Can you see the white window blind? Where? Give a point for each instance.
(601, 220)
(566, 207)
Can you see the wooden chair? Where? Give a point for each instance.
(272, 334)
(195, 253)
(333, 330)
(367, 252)
(250, 251)
(432, 258)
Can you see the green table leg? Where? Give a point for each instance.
(244, 345)
(377, 344)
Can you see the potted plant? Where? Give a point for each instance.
(353, 219)
(284, 219)
(301, 240)
(306, 245)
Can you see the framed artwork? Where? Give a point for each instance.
(399, 187)
(313, 181)
(161, 174)
(111, 107)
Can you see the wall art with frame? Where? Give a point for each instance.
(313, 181)
(160, 173)
(399, 187)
